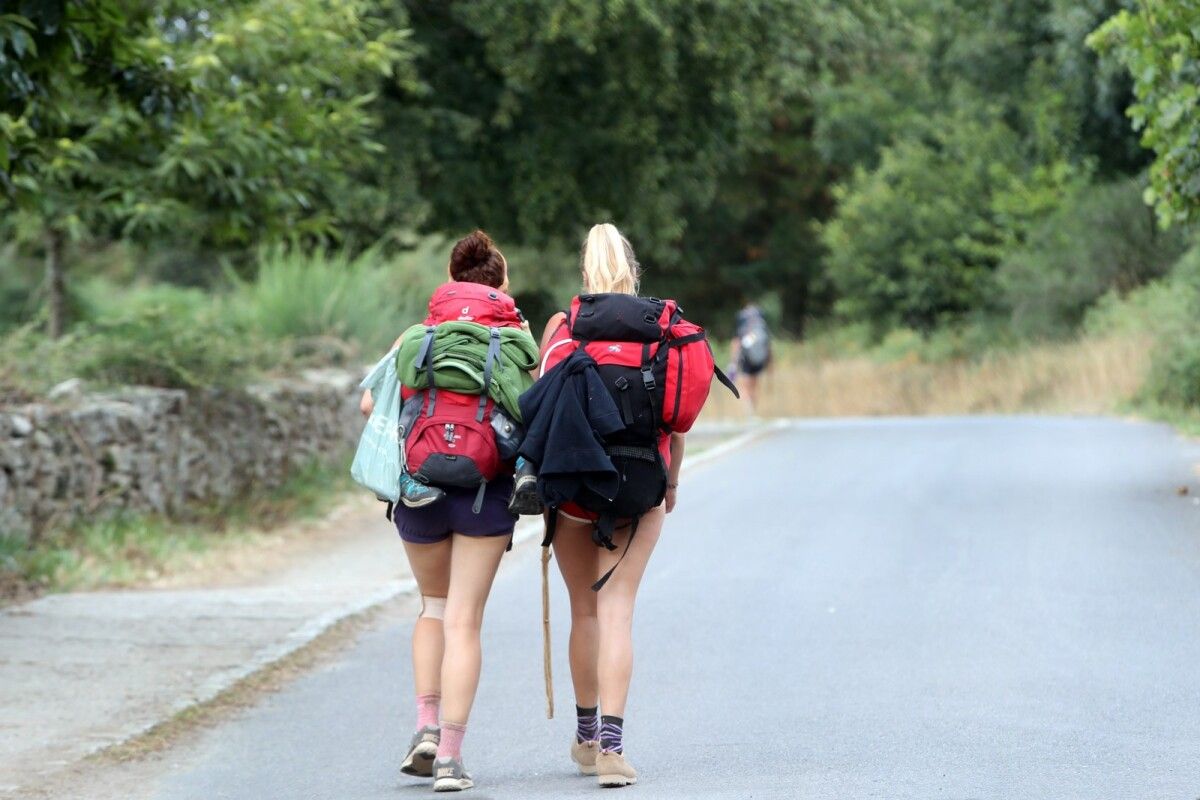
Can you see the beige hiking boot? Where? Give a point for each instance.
(584, 754)
(614, 770)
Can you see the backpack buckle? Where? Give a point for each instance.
(648, 380)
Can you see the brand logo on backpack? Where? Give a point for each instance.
(450, 436)
(614, 348)
(465, 315)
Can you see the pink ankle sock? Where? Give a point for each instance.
(427, 710)
(450, 745)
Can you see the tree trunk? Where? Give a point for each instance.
(56, 285)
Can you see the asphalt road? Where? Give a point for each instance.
(955, 608)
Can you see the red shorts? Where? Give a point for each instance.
(579, 514)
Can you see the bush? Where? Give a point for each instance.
(1102, 239)
(1169, 311)
(367, 300)
(154, 347)
(163, 345)
(1174, 379)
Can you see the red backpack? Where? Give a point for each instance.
(658, 366)
(450, 438)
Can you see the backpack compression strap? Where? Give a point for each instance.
(425, 361)
(492, 358)
(608, 523)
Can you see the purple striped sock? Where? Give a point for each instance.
(587, 724)
(611, 733)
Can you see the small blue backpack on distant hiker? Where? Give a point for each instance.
(377, 462)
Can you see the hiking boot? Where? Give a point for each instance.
(525, 498)
(584, 754)
(415, 494)
(449, 776)
(422, 751)
(614, 770)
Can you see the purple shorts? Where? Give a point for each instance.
(453, 514)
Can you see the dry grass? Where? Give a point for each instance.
(1088, 376)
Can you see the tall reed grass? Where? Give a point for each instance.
(364, 299)
(1092, 375)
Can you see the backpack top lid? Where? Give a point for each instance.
(621, 317)
(460, 301)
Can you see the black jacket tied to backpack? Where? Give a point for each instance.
(567, 413)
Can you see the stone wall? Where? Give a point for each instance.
(163, 450)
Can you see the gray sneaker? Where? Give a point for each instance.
(422, 751)
(415, 494)
(525, 499)
(449, 776)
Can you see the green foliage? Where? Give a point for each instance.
(81, 100)
(281, 122)
(1158, 44)
(364, 299)
(149, 346)
(228, 126)
(1102, 239)
(299, 309)
(536, 119)
(876, 160)
(916, 240)
(1168, 311)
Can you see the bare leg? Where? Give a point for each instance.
(430, 565)
(578, 558)
(473, 563)
(614, 609)
(750, 390)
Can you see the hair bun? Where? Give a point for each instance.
(475, 258)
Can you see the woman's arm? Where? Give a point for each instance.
(367, 404)
(677, 448)
(552, 326)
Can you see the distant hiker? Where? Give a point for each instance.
(623, 379)
(750, 351)
(462, 371)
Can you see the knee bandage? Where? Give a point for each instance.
(433, 607)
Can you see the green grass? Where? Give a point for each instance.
(125, 549)
(364, 300)
(319, 309)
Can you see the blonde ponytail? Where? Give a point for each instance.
(608, 263)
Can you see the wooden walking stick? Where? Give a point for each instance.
(545, 632)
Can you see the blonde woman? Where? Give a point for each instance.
(601, 643)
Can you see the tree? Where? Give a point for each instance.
(1158, 44)
(535, 119)
(915, 241)
(79, 93)
(226, 126)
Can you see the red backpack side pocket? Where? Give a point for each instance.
(689, 373)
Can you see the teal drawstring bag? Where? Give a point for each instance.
(376, 462)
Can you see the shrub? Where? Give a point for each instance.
(367, 299)
(155, 347)
(916, 240)
(1102, 239)
(1168, 310)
